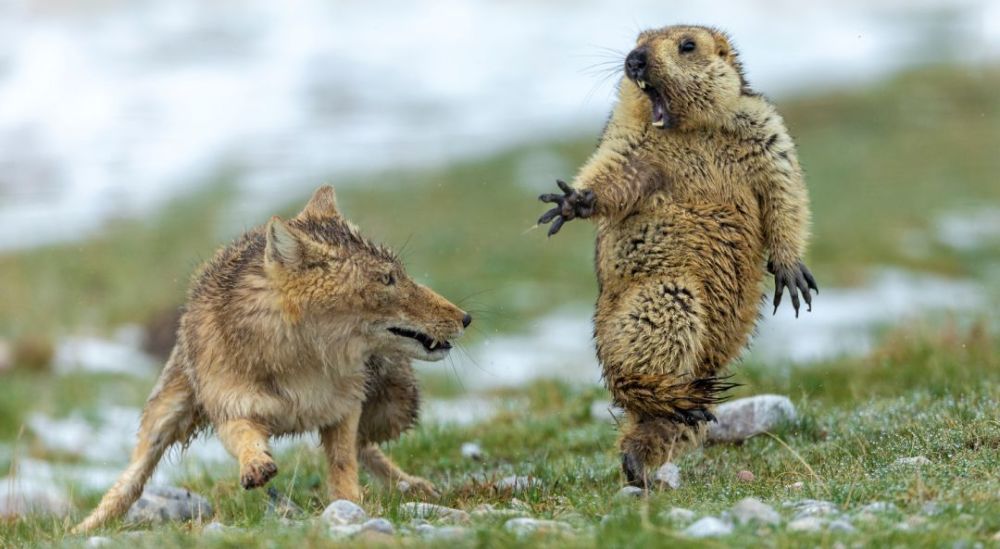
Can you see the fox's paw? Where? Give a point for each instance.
(255, 473)
(796, 278)
(569, 205)
(418, 487)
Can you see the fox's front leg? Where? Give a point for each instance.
(246, 440)
(340, 444)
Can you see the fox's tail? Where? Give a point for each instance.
(168, 418)
(667, 396)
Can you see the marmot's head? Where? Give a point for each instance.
(683, 75)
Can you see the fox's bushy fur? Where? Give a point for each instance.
(299, 325)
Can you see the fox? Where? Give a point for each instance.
(298, 325)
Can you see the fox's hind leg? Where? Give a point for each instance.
(247, 441)
(392, 406)
(169, 417)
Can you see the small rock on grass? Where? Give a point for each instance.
(678, 515)
(749, 510)
(472, 450)
(913, 461)
(379, 525)
(528, 526)
(811, 507)
(708, 527)
(806, 524)
(281, 505)
(98, 541)
(668, 476)
(743, 418)
(745, 476)
(341, 531)
(878, 507)
(167, 503)
(840, 525)
(442, 532)
(796, 486)
(486, 510)
(630, 492)
(517, 483)
(430, 511)
(344, 512)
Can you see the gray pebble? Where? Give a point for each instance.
(344, 512)
(743, 418)
(806, 524)
(167, 504)
(668, 476)
(98, 541)
(914, 461)
(840, 525)
(749, 510)
(528, 526)
(678, 515)
(517, 483)
(379, 525)
(430, 511)
(630, 492)
(879, 507)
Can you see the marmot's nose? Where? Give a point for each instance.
(635, 63)
(466, 320)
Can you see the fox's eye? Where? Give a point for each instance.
(389, 279)
(687, 46)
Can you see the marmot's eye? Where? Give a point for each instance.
(687, 46)
(389, 279)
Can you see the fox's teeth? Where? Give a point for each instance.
(433, 344)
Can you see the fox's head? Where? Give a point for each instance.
(331, 278)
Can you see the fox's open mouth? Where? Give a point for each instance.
(661, 115)
(430, 344)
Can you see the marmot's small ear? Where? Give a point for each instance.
(723, 47)
(284, 247)
(322, 204)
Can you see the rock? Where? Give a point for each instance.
(914, 461)
(442, 533)
(517, 483)
(98, 541)
(749, 510)
(840, 525)
(745, 476)
(806, 524)
(215, 527)
(429, 511)
(281, 505)
(168, 504)
(878, 507)
(342, 531)
(745, 417)
(796, 486)
(932, 508)
(520, 505)
(630, 492)
(344, 512)
(668, 476)
(486, 510)
(380, 525)
(472, 450)
(678, 515)
(811, 507)
(708, 527)
(529, 526)
(603, 410)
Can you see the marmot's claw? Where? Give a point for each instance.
(796, 278)
(635, 471)
(569, 205)
(695, 416)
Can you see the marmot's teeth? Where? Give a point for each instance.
(642, 84)
(658, 123)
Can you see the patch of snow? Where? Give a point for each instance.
(121, 354)
(111, 110)
(969, 230)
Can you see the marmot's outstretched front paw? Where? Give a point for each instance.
(257, 472)
(796, 278)
(569, 205)
(695, 416)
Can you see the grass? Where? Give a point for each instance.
(842, 447)
(883, 164)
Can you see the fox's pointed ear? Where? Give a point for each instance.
(322, 204)
(284, 245)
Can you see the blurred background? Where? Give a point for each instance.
(135, 137)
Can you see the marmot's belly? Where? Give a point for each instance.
(713, 247)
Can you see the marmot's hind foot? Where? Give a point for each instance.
(634, 470)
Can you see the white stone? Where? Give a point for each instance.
(344, 512)
(914, 461)
(98, 541)
(749, 510)
(743, 418)
(708, 527)
(341, 531)
(379, 525)
(840, 525)
(472, 450)
(668, 476)
(429, 511)
(214, 527)
(679, 515)
(878, 507)
(527, 526)
(811, 507)
(806, 524)
(167, 503)
(630, 492)
(442, 533)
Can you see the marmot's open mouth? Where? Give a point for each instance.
(661, 117)
(429, 343)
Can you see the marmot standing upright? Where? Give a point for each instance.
(695, 186)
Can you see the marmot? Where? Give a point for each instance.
(695, 179)
(299, 325)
